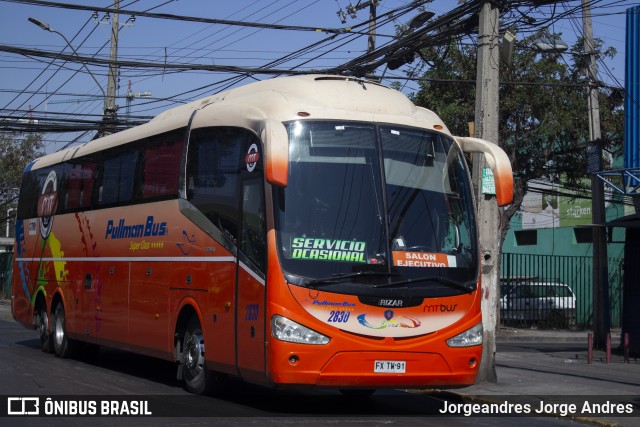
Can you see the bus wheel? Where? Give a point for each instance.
(42, 326)
(62, 346)
(198, 379)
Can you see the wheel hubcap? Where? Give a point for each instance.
(59, 333)
(43, 326)
(194, 357)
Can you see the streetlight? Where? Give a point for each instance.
(46, 27)
(551, 44)
(420, 19)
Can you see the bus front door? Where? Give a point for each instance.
(251, 291)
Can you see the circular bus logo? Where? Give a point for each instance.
(47, 204)
(252, 157)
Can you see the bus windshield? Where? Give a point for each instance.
(376, 206)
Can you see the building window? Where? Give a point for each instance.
(583, 234)
(526, 237)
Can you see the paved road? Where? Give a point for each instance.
(27, 371)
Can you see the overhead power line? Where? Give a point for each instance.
(140, 64)
(180, 17)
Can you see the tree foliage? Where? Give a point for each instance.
(17, 151)
(543, 123)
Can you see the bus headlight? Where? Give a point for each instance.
(468, 338)
(287, 330)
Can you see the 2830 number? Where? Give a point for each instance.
(338, 316)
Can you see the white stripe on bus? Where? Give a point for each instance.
(149, 259)
(132, 259)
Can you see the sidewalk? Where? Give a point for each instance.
(552, 366)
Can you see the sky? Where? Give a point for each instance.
(66, 89)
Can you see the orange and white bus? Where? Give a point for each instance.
(310, 231)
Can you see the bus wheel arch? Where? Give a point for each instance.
(186, 312)
(190, 354)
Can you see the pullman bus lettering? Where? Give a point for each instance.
(124, 231)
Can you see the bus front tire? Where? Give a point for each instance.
(197, 378)
(63, 347)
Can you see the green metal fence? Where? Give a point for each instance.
(574, 271)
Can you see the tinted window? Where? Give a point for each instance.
(161, 174)
(144, 170)
(79, 178)
(214, 168)
(118, 177)
(253, 244)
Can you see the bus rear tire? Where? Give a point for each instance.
(42, 325)
(63, 347)
(197, 378)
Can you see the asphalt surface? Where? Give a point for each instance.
(549, 370)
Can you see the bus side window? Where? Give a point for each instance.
(162, 156)
(72, 197)
(213, 172)
(118, 177)
(253, 243)
(79, 185)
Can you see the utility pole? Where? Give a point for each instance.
(601, 317)
(110, 98)
(353, 13)
(486, 127)
(372, 27)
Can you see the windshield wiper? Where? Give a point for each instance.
(341, 276)
(464, 287)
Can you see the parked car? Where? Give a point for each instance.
(540, 301)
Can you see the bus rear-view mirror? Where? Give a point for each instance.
(276, 148)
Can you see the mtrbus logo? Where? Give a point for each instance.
(47, 204)
(252, 157)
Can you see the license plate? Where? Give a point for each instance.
(390, 366)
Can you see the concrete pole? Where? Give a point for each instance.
(601, 317)
(110, 98)
(486, 127)
(372, 27)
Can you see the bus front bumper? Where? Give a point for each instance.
(383, 370)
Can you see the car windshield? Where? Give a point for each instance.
(389, 203)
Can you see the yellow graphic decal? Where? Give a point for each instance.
(62, 274)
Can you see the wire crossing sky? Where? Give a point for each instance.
(173, 52)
